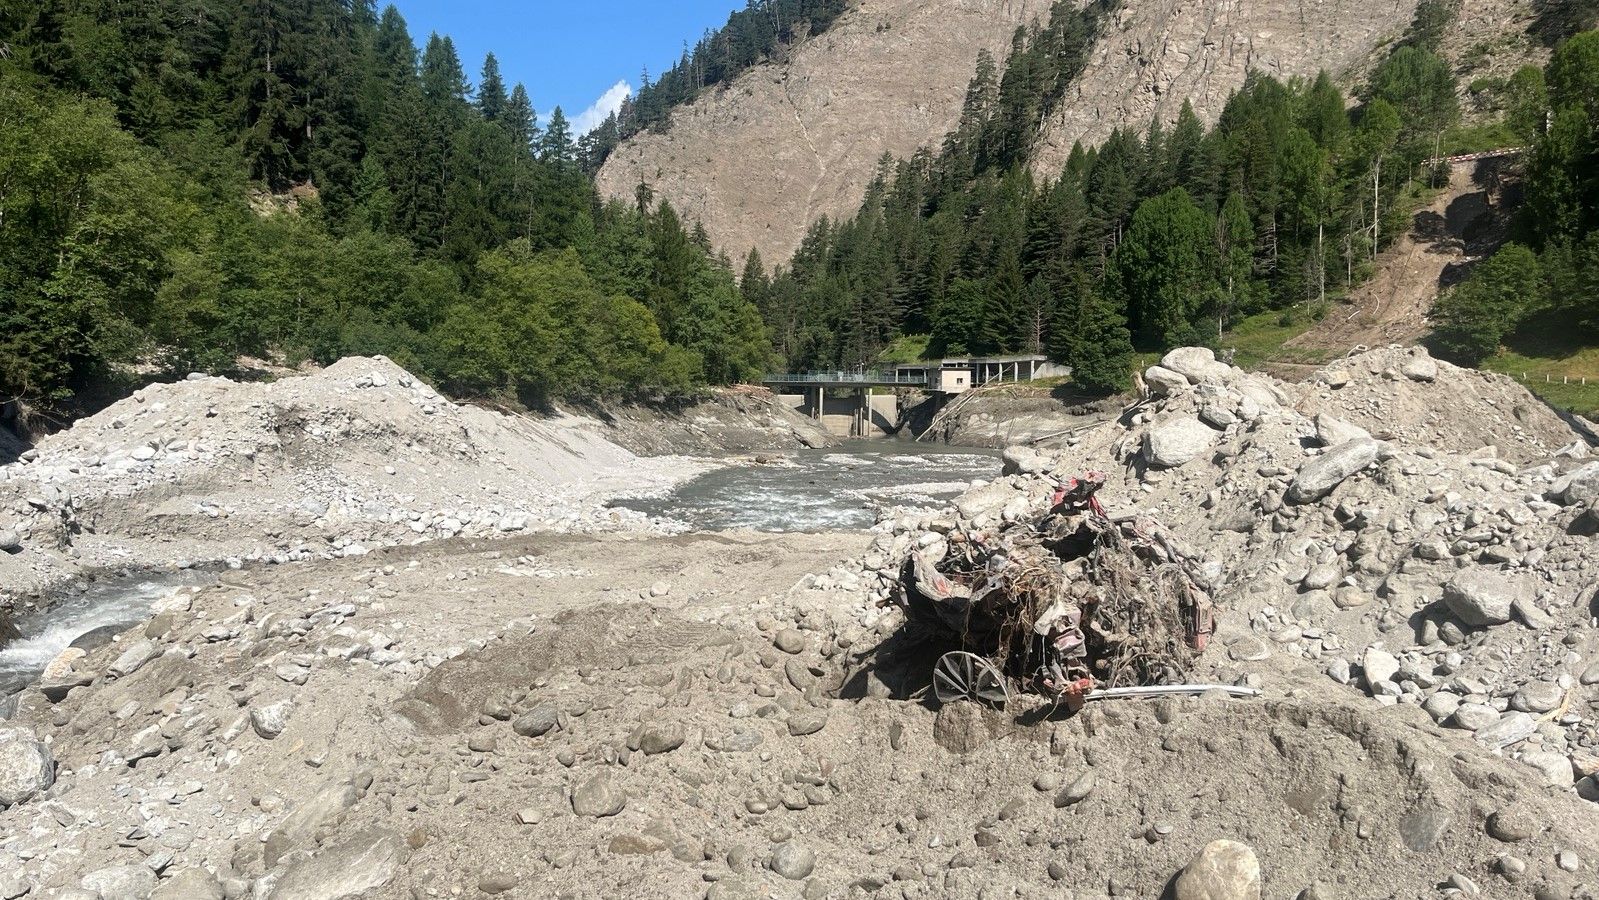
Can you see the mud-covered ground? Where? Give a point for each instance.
(624, 713)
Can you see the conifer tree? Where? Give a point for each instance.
(491, 99)
(555, 144)
(521, 120)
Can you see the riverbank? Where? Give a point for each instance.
(1400, 555)
(334, 464)
(741, 419)
(1006, 415)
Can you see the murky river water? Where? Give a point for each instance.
(820, 490)
(809, 490)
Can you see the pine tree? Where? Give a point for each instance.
(491, 99)
(555, 145)
(520, 119)
(1005, 310)
(1163, 269)
(263, 64)
(754, 283)
(1090, 335)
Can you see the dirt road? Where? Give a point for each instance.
(1464, 223)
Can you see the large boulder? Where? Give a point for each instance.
(1576, 487)
(1332, 431)
(1379, 666)
(134, 658)
(126, 882)
(26, 766)
(1482, 597)
(1322, 475)
(1163, 382)
(1197, 364)
(358, 867)
(989, 499)
(1420, 366)
(1025, 461)
(299, 828)
(1170, 444)
(1224, 870)
(188, 884)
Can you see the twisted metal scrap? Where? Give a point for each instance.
(1118, 601)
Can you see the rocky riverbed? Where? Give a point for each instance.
(1401, 553)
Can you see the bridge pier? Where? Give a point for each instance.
(852, 411)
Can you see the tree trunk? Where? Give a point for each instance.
(1376, 206)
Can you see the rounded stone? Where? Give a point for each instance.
(1511, 824)
(1224, 870)
(536, 722)
(793, 861)
(26, 766)
(657, 739)
(598, 798)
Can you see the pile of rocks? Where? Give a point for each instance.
(356, 456)
(1456, 575)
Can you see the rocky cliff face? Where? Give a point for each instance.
(793, 141)
(1155, 54)
(788, 143)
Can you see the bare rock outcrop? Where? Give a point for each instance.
(799, 138)
(789, 142)
(1154, 54)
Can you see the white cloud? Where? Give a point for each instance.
(609, 102)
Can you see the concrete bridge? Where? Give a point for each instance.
(850, 404)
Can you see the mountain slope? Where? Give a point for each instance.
(790, 142)
(1155, 54)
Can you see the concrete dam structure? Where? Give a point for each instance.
(867, 404)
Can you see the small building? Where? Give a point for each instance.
(959, 375)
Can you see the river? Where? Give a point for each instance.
(820, 490)
(811, 490)
(118, 602)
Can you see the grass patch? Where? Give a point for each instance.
(1551, 358)
(907, 348)
(1478, 138)
(1259, 338)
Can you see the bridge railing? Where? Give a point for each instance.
(879, 378)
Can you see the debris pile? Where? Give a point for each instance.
(1417, 532)
(1065, 601)
(357, 456)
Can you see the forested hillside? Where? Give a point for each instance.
(1155, 238)
(1551, 269)
(752, 34)
(184, 182)
(1159, 238)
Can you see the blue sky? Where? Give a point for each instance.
(570, 53)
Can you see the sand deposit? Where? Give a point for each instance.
(1400, 555)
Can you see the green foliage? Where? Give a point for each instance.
(86, 214)
(1420, 87)
(1163, 270)
(762, 29)
(1091, 336)
(1571, 268)
(1474, 317)
(184, 184)
(540, 327)
(1166, 236)
(1563, 171)
(1432, 19)
(1526, 100)
(1518, 291)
